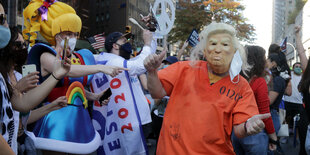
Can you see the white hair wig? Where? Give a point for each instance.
(216, 28)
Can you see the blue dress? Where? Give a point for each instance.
(70, 128)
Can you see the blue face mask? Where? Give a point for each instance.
(165, 66)
(297, 70)
(5, 34)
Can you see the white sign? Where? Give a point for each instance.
(166, 17)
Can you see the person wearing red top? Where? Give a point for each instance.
(257, 144)
(208, 99)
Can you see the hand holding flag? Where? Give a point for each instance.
(283, 45)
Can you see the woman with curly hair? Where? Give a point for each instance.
(259, 143)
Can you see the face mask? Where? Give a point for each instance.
(165, 66)
(126, 47)
(71, 43)
(20, 56)
(235, 67)
(5, 34)
(125, 50)
(297, 70)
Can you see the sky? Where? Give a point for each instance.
(259, 14)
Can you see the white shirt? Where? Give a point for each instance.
(296, 95)
(9, 125)
(136, 67)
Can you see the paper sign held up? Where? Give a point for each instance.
(193, 38)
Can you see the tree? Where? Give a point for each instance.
(299, 4)
(197, 15)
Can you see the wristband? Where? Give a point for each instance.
(245, 129)
(275, 142)
(55, 77)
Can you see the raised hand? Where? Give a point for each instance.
(61, 68)
(150, 22)
(185, 44)
(112, 70)
(28, 82)
(255, 124)
(297, 29)
(153, 61)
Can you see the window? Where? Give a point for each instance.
(107, 16)
(97, 18)
(102, 17)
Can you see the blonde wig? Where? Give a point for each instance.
(60, 17)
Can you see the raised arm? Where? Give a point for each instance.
(47, 60)
(181, 51)
(25, 102)
(151, 63)
(135, 65)
(300, 48)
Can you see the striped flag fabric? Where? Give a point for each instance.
(97, 41)
(283, 45)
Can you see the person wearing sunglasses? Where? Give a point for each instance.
(17, 49)
(12, 98)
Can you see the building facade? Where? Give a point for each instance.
(106, 16)
(303, 20)
(97, 16)
(281, 29)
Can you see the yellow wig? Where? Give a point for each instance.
(60, 17)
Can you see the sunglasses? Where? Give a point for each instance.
(2, 19)
(19, 45)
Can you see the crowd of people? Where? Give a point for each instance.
(224, 100)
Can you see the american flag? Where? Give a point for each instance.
(283, 45)
(97, 41)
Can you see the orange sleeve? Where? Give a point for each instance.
(169, 76)
(246, 106)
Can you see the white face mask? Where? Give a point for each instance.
(71, 43)
(235, 66)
